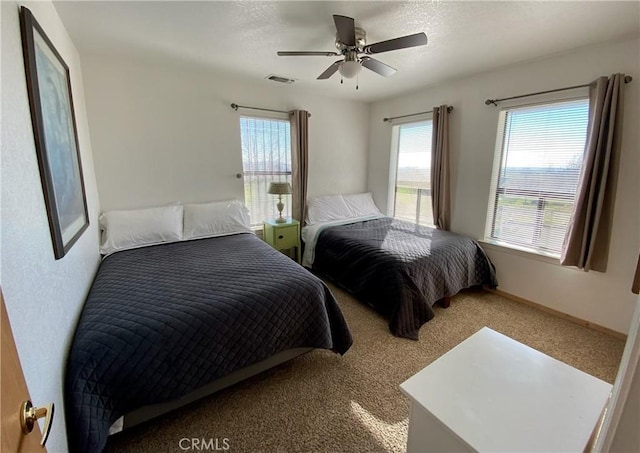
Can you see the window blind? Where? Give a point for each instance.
(413, 173)
(266, 158)
(541, 157)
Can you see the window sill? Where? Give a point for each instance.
(524, 252)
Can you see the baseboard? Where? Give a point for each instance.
(562, 315)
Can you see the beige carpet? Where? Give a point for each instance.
(322, 402)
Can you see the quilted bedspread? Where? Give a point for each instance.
(162, 321)
(400, 268)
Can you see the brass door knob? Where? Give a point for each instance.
(29, 415)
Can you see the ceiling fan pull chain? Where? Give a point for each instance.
(357, 82)
(341, 80)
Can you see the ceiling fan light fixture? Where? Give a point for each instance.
(350, 69)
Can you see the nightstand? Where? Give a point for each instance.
(282, 236)
(492, 393)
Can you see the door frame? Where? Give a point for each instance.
(627, 369)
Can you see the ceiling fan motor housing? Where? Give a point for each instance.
(361, 41)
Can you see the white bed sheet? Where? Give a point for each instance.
(310, 235)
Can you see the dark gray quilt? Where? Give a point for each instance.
(400, 268)
(161, 321)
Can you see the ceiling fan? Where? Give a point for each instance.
(351, 44)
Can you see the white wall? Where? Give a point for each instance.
(43, 296)
(603, 299)
(165, 131)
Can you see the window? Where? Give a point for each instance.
(412, 186)
(539, 150)
(266, 158)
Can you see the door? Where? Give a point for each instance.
(14, 391)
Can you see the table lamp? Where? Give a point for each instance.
(280, 189)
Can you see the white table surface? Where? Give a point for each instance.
(497, 394)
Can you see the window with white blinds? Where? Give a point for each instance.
(266, 158)
(413, 173)
(540, 148)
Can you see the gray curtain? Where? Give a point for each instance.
(440, 197)
(300, 163)
(586, 244)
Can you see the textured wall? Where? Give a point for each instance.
(43, 296)
(163, 131)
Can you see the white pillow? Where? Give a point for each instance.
(219, 218)
(123, 230)
(361, 204)
(326, 209)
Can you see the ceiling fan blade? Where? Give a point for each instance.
(303, 53)
(346, 29)
(418, 39)
(330, 70)
(378, 67)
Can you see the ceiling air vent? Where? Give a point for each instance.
(277, 78)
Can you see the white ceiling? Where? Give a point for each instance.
(242, 37)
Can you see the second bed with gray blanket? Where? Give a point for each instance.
(400, 268)
(162, 321)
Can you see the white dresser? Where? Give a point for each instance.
(493, 394)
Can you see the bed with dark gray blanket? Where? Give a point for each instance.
(401, 269)
(164, 320)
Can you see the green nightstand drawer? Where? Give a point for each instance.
(283, 236)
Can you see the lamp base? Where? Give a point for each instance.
(280, 206)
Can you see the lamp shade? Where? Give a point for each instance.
(280, 188)
(349, 69)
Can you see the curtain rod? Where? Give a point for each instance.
(386, 120)
(235, 107)
(627, 79)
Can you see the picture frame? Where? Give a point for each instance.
(55, 134)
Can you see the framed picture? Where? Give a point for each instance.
(56, 138)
